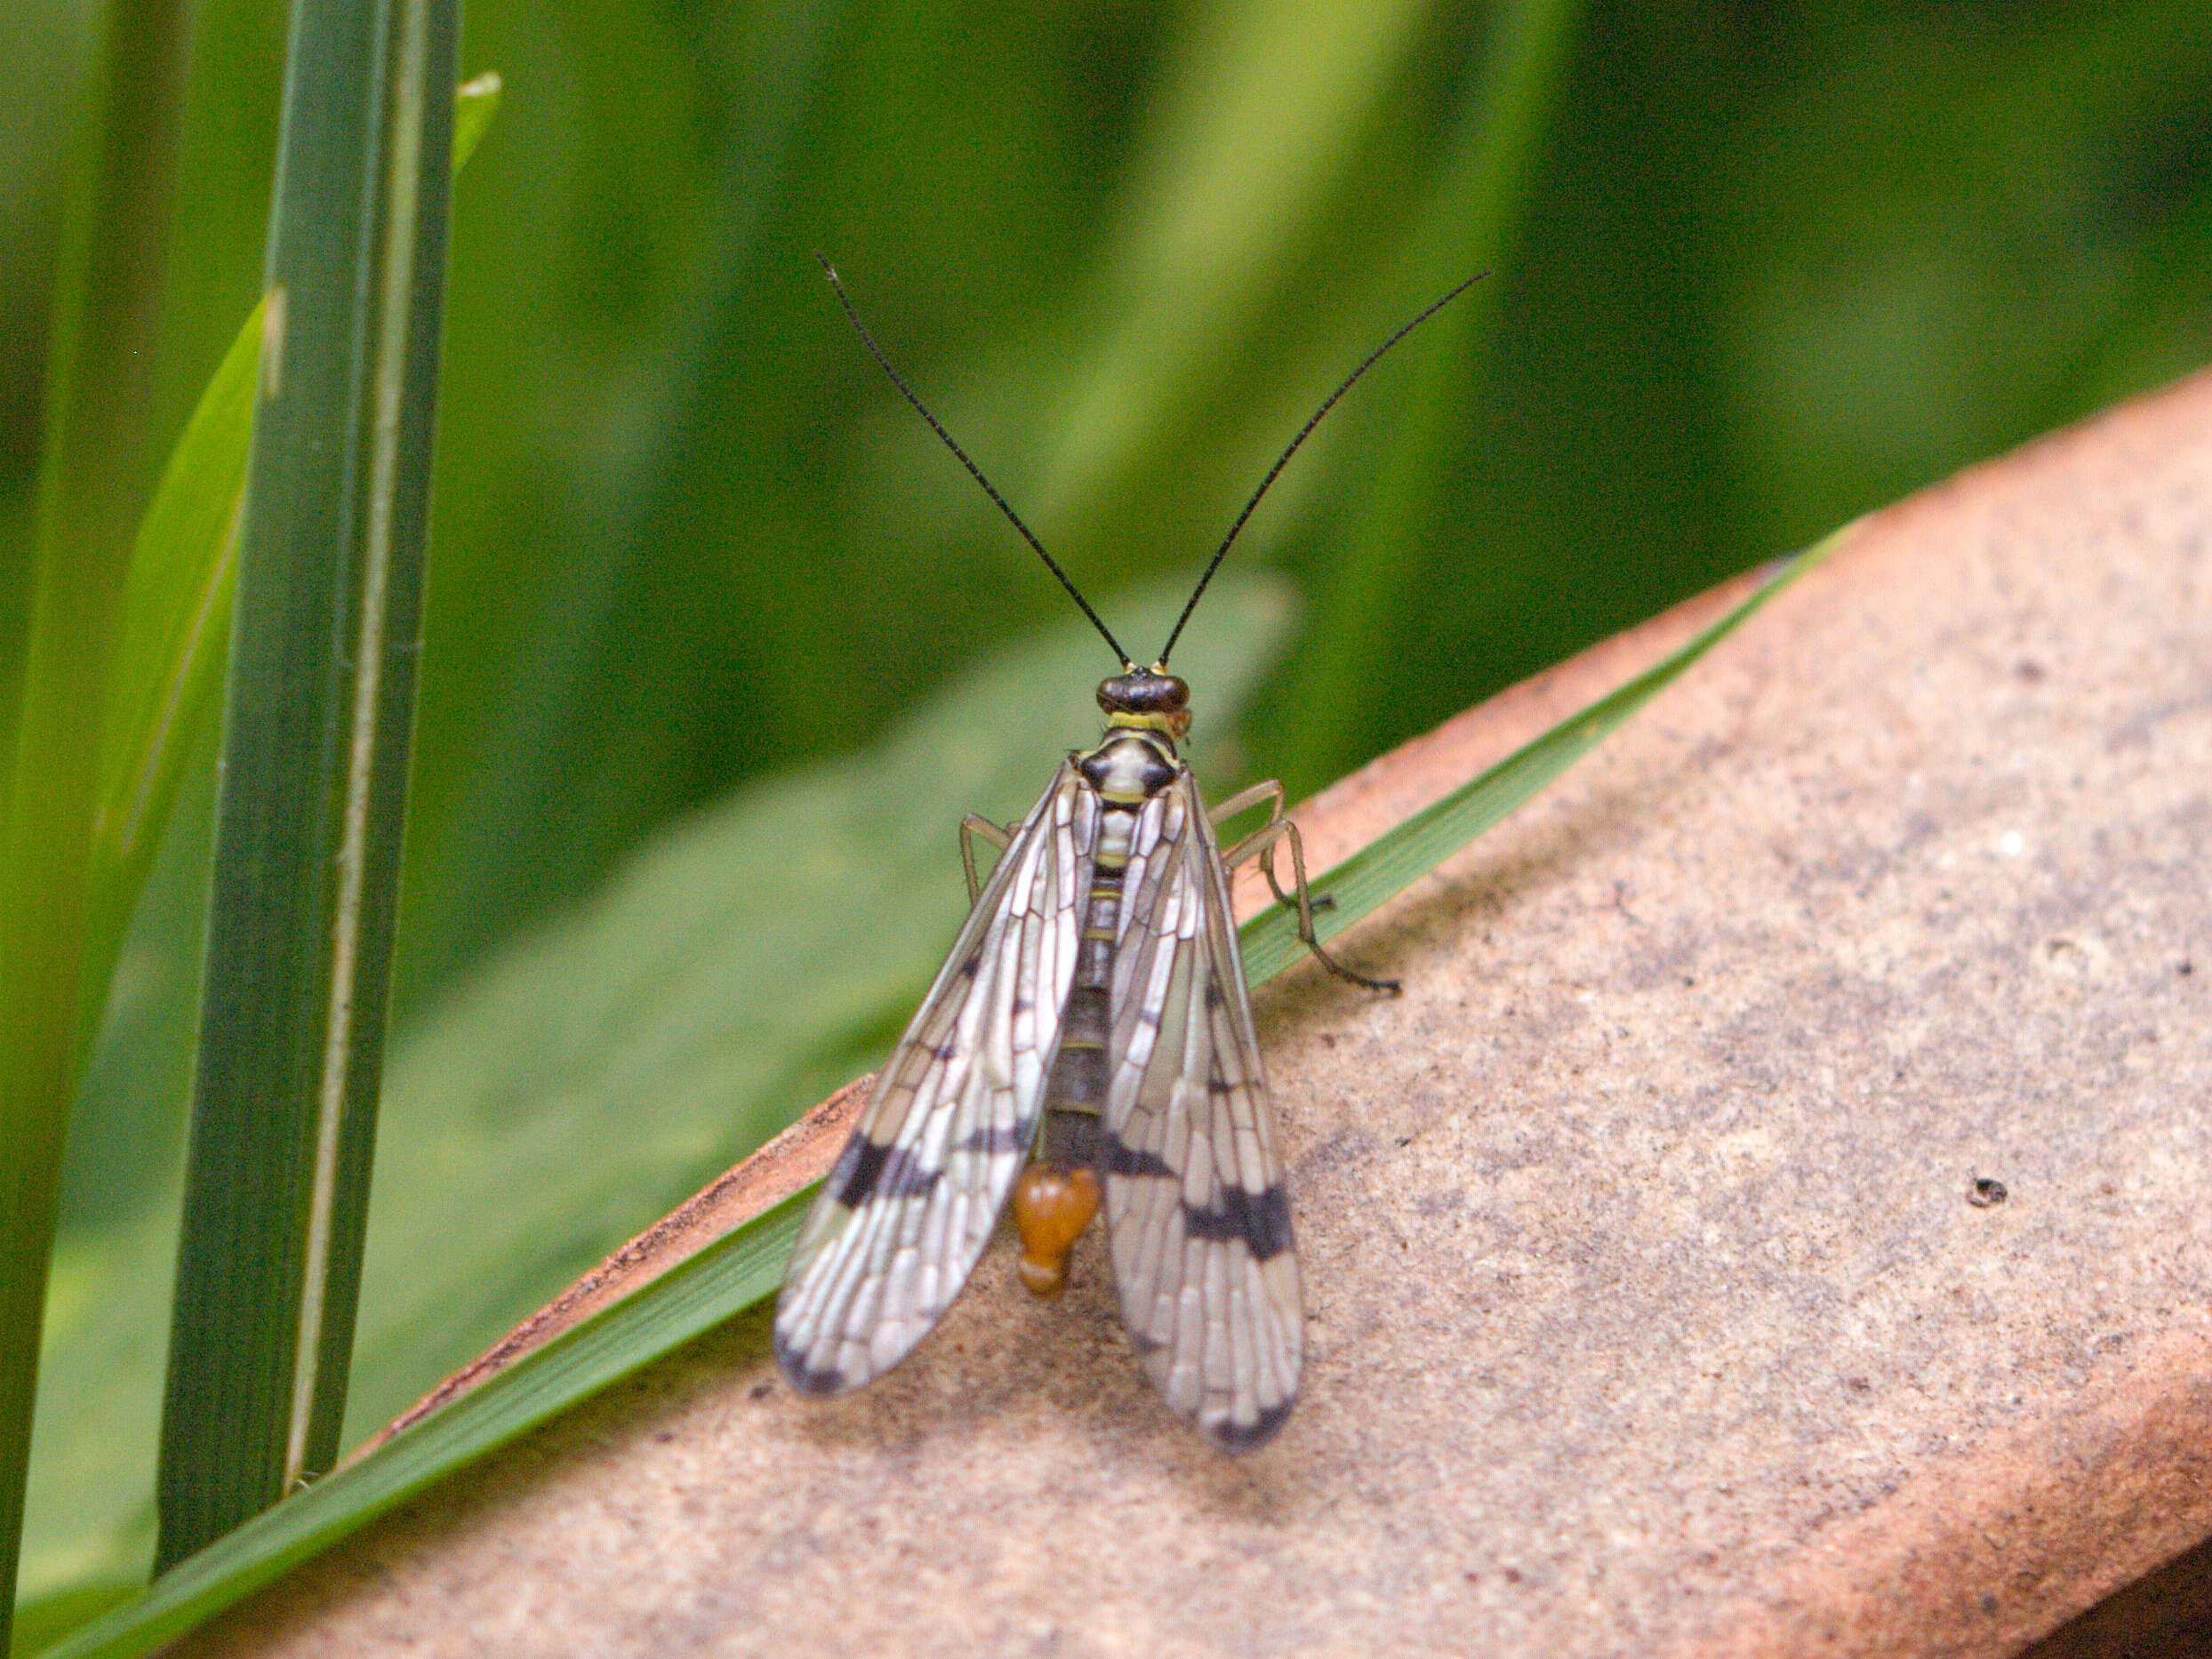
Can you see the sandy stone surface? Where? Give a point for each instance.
(1650, 1312)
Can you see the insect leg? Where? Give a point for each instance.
(1244, 800)
(975, 824)
(1261, 845)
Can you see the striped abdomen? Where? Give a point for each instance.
(1075, 1094)
(1059, 1192)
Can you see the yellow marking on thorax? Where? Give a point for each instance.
(1166, 723)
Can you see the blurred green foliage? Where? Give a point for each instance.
(1777, 264)
(1757, 268)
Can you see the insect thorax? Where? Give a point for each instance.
(1130, 765)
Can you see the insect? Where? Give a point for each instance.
(1087, 1046)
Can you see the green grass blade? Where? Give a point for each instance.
(743, 1269)
(174, 635)
(90, 484)
(1391, 863)
(107, 1301)
(317, 722)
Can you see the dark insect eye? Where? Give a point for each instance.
(1143, 693)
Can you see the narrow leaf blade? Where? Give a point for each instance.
(174, 635)
(318, 723)
(91, 484)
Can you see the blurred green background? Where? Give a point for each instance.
(695, 568)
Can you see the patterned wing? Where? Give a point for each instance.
(1198, 1217)
(907, 1211)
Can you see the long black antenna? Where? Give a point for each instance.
(1012, 518)
(1283, 460)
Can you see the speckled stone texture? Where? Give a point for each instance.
(1649, 1312)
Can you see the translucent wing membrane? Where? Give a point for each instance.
(912, 1201)
(1195, 1202)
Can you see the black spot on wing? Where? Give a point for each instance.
(1122, 1159)
(855, 1173)
(1242, 1437)
(1261, 1219)
(866, 1170)
(992, 1138)
(805, 1378)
